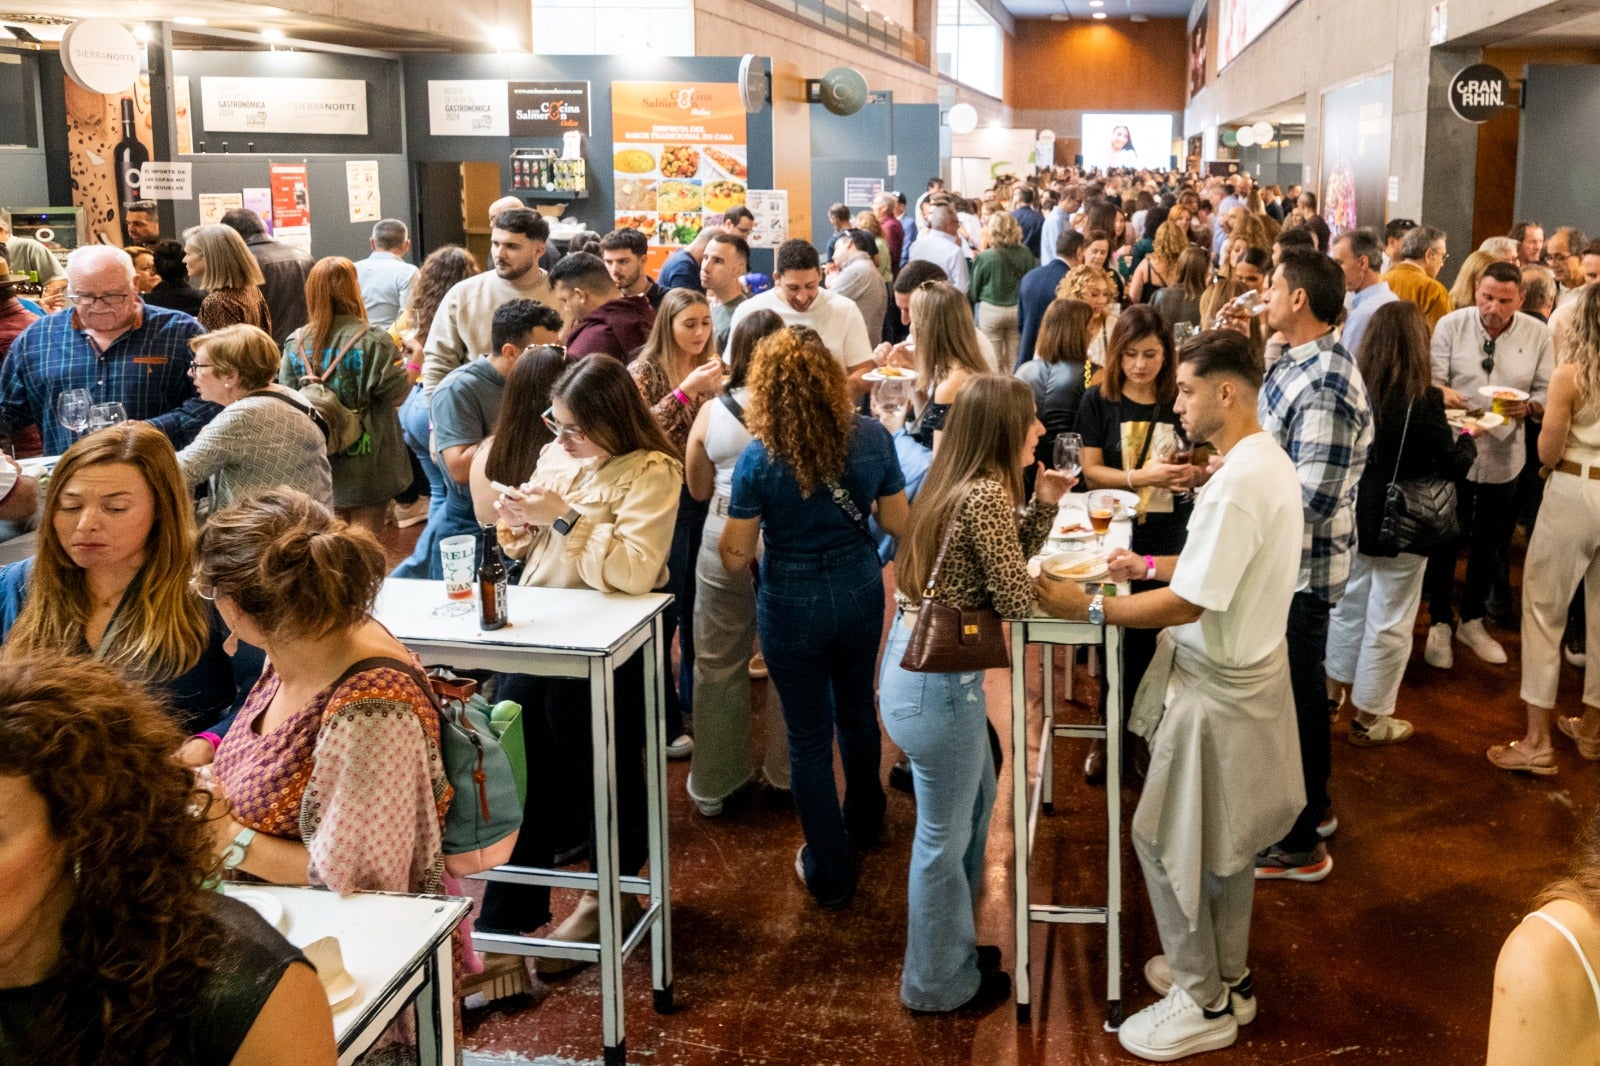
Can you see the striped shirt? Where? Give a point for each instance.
(1314, 404)
(146, 370)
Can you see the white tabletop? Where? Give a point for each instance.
(582, 621)
(383, 938)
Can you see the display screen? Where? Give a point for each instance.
(1127, 140)
(1241, 21)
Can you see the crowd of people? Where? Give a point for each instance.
(1314, 427)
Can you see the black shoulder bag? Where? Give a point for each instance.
(1419, 514)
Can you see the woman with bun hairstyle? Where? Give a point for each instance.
(112, 951)
(110, 580)
(332, 770)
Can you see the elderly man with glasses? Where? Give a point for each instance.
(1492, 344)
(110, 342)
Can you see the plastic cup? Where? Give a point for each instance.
(457, 558)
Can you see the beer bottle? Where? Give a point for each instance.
(491, 584)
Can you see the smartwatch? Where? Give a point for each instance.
(235, 852)
(564, 524)
(1097, 609)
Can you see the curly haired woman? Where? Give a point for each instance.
(806, 482)
(111, 951)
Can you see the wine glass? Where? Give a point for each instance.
(102, 415)
(1177, 449)
(890, 397)
(1102, 508)
(1068, 454)
(72, 409)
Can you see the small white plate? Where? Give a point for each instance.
(267, 905)
(900, 374)
(1071, 568)
(1072, 533)
(1488, 392)
(1128, 500)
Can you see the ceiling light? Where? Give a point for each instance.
(271, 34)
(1099, 14)
(141, 33)
(189, 20)
(1097, 3)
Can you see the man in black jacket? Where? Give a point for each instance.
(284, 268)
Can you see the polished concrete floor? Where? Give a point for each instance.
(1388, 960)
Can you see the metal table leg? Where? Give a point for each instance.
(1114, 754)
(1019, 811)
(436, 1027)
(655, 659)
(602, 731)
(1047, 777)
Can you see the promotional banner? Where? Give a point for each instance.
(548, 108)
(1355, 154)
(283, 105)
(467, 109)
(678, 156)
(1127, 140)
(108, 141)
(291, 205)
(361, 189)
(213, 205)
(1241, 21)
(259, 201)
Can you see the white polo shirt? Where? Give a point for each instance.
(836, 319)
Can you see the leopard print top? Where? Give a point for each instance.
(988, 561)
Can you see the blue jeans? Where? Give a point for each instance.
(415, 429)
(941, 722)
(820, 620)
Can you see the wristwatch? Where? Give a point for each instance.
(234, 853)
(1097, 609)
(564, 524)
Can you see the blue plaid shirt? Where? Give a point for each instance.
(1314, 404)
(146, 370)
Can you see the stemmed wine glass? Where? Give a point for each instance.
(1177, 450)
(72, 409)
(102, 415)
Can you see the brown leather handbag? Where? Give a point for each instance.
(954, 640)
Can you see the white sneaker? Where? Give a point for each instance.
(1438, 652)
(680, 747)
(1175, 1027)
(1241, 993)
(1485, 647)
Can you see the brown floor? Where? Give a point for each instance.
(1388, 960)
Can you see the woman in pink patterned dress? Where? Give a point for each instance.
(333, 767)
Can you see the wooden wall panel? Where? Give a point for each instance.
(1113, 65)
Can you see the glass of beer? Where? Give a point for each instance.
(456, 559)
(1101, 507)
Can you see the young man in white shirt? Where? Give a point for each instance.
(1216, 706)
(799, 299)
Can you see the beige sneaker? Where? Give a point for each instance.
(411, 514)
(1438, 652)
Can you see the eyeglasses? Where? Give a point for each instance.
(560, 430)
(110, 299)
(200, 366)
(1488, 357)
(201, 589)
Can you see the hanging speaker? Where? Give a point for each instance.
(842, 90)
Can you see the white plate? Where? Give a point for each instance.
(1072, 568)
(901, 375)
(707, 161)
(1488, 391)
(267, 905)
(1072, 533)
(1128, 500)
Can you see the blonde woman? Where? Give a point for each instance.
(1564, 550)
(946, 356)
(1160, 268)
(1093, 286)
(995, 282)
(220, 262)
(1464, 293)
(111, 578)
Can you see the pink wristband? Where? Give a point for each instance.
(1149, 567)
(211, 738)
(682, 396)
